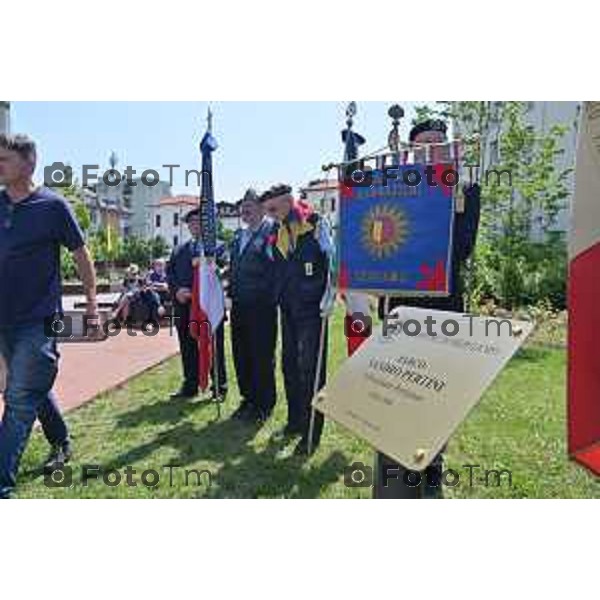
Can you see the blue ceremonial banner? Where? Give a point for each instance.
(207, 202)
(395, 236)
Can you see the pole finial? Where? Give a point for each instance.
(395, 112)
(112, 160)
(209, 118)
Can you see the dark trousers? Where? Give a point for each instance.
(253, 340)
(392, 480)
(189, 355)
(300, 342)
(31, 365)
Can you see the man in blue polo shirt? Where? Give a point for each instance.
(34, 224)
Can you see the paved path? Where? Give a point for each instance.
(88, 368)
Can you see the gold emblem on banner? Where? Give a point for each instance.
(384, 230)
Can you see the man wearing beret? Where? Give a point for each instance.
(464, 235)
(180, 276)
(254, 311)
(302, 250)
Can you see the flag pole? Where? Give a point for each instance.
(215, 356)
(208, 256)
(311, 427)
(352, 141)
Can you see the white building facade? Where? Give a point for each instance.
(141, 198)
(229, 215)
(323, 195)
(165, 218)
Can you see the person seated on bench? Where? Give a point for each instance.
(157, 279)
(138, 301)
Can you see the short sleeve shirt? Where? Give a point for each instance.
(32, 232)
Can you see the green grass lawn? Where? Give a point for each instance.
(519, 425)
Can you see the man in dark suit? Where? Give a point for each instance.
(464, 235)
(180, 275)
(254, 311)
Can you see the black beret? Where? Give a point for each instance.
(192, 213)
(428, 125)
(280, 189)
(265, 196)
(250, 196)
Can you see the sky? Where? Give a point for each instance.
(260, 143)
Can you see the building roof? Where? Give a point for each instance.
(320, 185)
(182, 200)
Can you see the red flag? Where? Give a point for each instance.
(584, 294)
(200, 331)
(354, 343)
(356, 303)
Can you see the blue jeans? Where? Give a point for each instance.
(32, 364)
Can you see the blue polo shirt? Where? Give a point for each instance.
(31, 234)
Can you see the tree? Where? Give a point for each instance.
(105, 244)
(82, 214)
(73, 194)
(498, 136)
(135, 250)
(226, 235)
(159, 247)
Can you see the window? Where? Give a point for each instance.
(176, 220)
(175, 240)
(157, 220)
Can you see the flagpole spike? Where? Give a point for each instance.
(209, 118)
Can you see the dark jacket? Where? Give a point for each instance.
(180, 272)
(252, 272)
(302, 276)
(464, 236)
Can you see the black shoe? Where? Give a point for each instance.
(59, 456)
(244, 412)
(287, 433)
(183, 393)
(261, 416)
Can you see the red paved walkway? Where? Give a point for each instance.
(89, 368)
